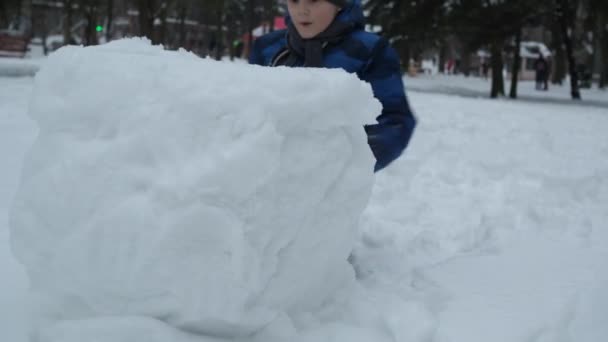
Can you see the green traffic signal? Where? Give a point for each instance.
(99, 28)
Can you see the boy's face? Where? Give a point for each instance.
(311, 17)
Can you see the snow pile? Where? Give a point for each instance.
(217, 198)
(496, 221)
(15, 67)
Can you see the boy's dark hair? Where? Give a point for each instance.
(339, 3)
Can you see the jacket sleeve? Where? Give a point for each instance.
(391, 135)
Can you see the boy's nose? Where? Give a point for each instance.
(303, 10)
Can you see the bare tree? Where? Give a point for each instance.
(565, 15)
(220, 23)
(497, 62)
(109, 19)
(559, 60)
(182, 12)
(3, 14)
(161, 29)
(90, 10)
(67, 21)
(516, 65)
(251, 4)
(604, 66)
(599, 15)
(146, 10)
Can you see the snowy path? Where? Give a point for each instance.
(473, 87)
(493, 227)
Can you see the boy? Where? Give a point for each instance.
(330, 34)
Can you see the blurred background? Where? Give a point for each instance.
(546, 41)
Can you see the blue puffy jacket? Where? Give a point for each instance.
(374, 61)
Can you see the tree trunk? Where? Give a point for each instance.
(604, 67)
(91, 15)
(516, 65)
(269, 15)
(599, 48)
(596, 58)
(182, 27)
(466, 62)
(231, 38)
(406, 54)
(67, 23)
(45, 49)
(558, 72)
(565, 18)
(250, 23)
(3, 14)
(110, 18)
(442, 53)
(90, 34)
(19, 7)
(231, 47)
(162, 30)
(219, 47)
(146, 18)
(43, 29)
(498, 84)
(24, 16)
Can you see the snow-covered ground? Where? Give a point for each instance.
(17, 132)
(479, 87)
(496, 219)
(492, 227)
(18, 67)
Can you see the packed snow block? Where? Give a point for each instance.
(211, 196)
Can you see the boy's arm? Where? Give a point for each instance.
(395, 127)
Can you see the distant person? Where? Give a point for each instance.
(412, 68)
(238, 48)
(547, 75)
(485, 68)
(330, 34)
(450, 66)
(542, 73)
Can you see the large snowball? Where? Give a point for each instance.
(213, 196)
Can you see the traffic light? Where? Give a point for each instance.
(99, 28)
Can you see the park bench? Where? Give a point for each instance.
(13, 44)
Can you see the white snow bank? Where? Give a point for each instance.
(215, 197)
(495, 219)
(15, 67)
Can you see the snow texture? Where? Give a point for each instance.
(206, 195)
